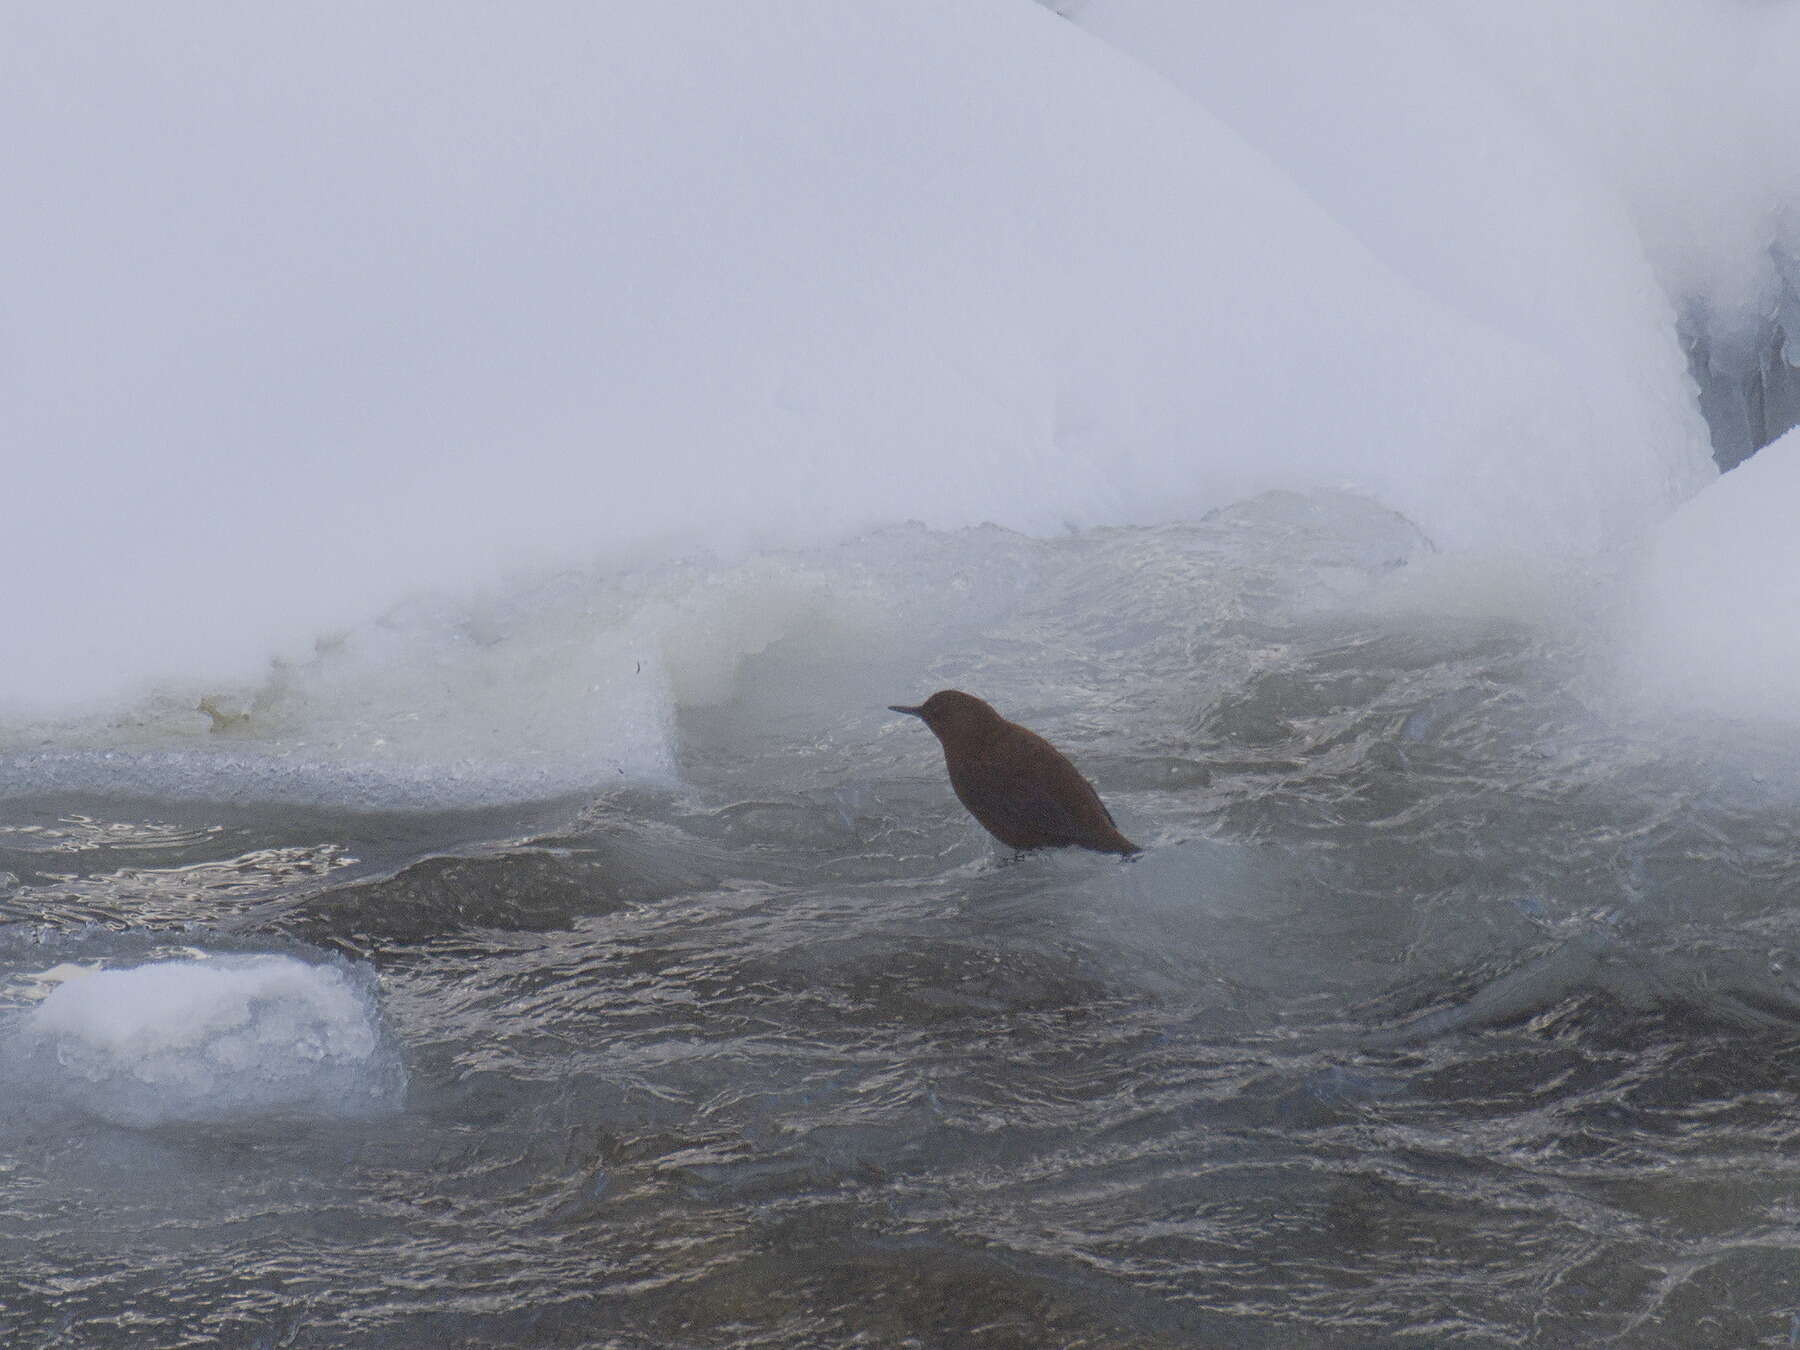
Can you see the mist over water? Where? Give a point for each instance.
(483, 478)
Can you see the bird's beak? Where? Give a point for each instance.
(910, 712)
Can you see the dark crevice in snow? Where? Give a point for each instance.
(1748, 372)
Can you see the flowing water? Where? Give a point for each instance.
(1451, 1003)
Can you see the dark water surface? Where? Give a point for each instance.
(1442, 1010)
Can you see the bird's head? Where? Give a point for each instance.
(953, 714)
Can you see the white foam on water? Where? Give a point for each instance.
(217, 1039)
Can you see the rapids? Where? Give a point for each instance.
(1444, 1006)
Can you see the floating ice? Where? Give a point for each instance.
(214, 1039)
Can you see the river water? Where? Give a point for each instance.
(1451, 1003)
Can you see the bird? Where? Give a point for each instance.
(1017, 784)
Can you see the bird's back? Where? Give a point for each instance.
(1028, 795)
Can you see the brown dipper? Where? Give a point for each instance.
(1015, 782)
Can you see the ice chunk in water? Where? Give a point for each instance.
(214, 1039)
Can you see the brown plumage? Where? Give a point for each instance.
(1015, 782)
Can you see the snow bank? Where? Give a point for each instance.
(1715, 624)
(314, 310)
